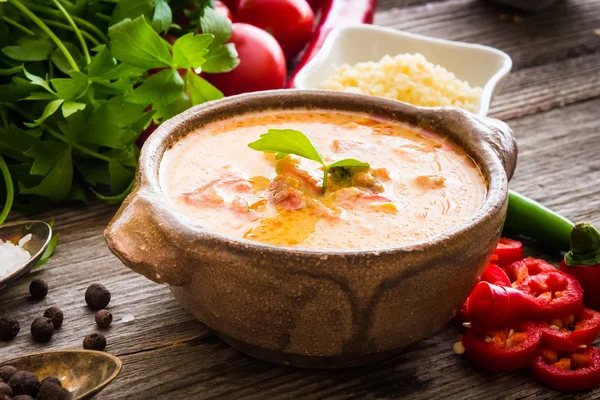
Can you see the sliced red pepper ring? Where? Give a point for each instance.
(492, 274)
(525, 268)
(503, 349)
(556, 294)
(572, 332)
(578, 370)
(508, 251)
(493, 305)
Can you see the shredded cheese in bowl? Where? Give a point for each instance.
(406, 77)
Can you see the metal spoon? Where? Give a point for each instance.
(41, 233)
(83, 372)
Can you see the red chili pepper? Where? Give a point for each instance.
(508, 251)
(493, 305)
(568, 334)
(503, 349)
(335, 14)
(556, 294)
(568, 371)
(522, 269)
(492, 274)
(583, 262)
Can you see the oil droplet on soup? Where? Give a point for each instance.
(419, 184)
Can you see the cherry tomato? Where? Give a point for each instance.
(569, 333)
(556, 294)
(262, 63)
(508, 251)
(579, 370)
(289, 21)
(503, 349)
(222, 9)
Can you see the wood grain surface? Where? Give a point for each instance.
(552, 102)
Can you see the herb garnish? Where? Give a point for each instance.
(289, 141)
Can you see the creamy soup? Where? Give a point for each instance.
(419, 184)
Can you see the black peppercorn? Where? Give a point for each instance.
(23, 397)
(94, 341)
(52, 379)
(38, 289)
(9, 327)
(5, 390)
(23, 382)
(42, 329)
(103, 318)
(97, 296)
(56, 315)
(51, 391)
(6, 372)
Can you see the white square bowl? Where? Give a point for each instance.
(478, 65)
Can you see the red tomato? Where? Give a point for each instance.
(508, 251)
(262, 63)
(503, 349)
(567, 334)
(289, 21)
(222, 9)
(556, 294)
(568, 371)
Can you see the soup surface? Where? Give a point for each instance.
(419, 184)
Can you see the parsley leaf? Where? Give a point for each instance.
(289, 141)
(189, 50)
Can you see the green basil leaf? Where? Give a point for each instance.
(71, 107)
(46, 155)
(120, 177)
(30, 49)
(40, 96)
(50, 109)
(71, 88)
(161, 21)
(200, 90)
(166, 111)
(132, 9)
(73, 126)
(93, 171)
(58, 58)
(221, 59)
(349, 162)
(188, 50)
(162, 88)
(136, 43)
(288, 141)
(217, 25)
(57, 184)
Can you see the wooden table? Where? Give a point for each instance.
(551, 100)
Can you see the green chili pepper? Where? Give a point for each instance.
(529, 218)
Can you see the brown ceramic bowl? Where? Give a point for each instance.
(315, 308)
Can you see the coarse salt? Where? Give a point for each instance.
(13, 257)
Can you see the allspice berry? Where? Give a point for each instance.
(6, 372)
(42, 329)
(97, 296)
(94, 341)
(52, 379)
(38, 289)
(103, 318)
(5, 390)
(55, 315)
(9, 328)
(23, 382)
(51, 391)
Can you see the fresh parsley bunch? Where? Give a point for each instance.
(80, 80)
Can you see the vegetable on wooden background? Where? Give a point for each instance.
(76, 92)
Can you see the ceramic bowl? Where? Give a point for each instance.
(307, 307)
(479, 65)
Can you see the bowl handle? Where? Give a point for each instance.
(136, 236)
(500, 137)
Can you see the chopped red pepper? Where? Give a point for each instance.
(568, 371)
(508, 251)
(556, 294)
(522, 269)
(493, 305)
(503, 349)
(583, 262)
(492, 274)
(568, 334)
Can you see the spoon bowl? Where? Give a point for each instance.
(40, 232)
(83, 372)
